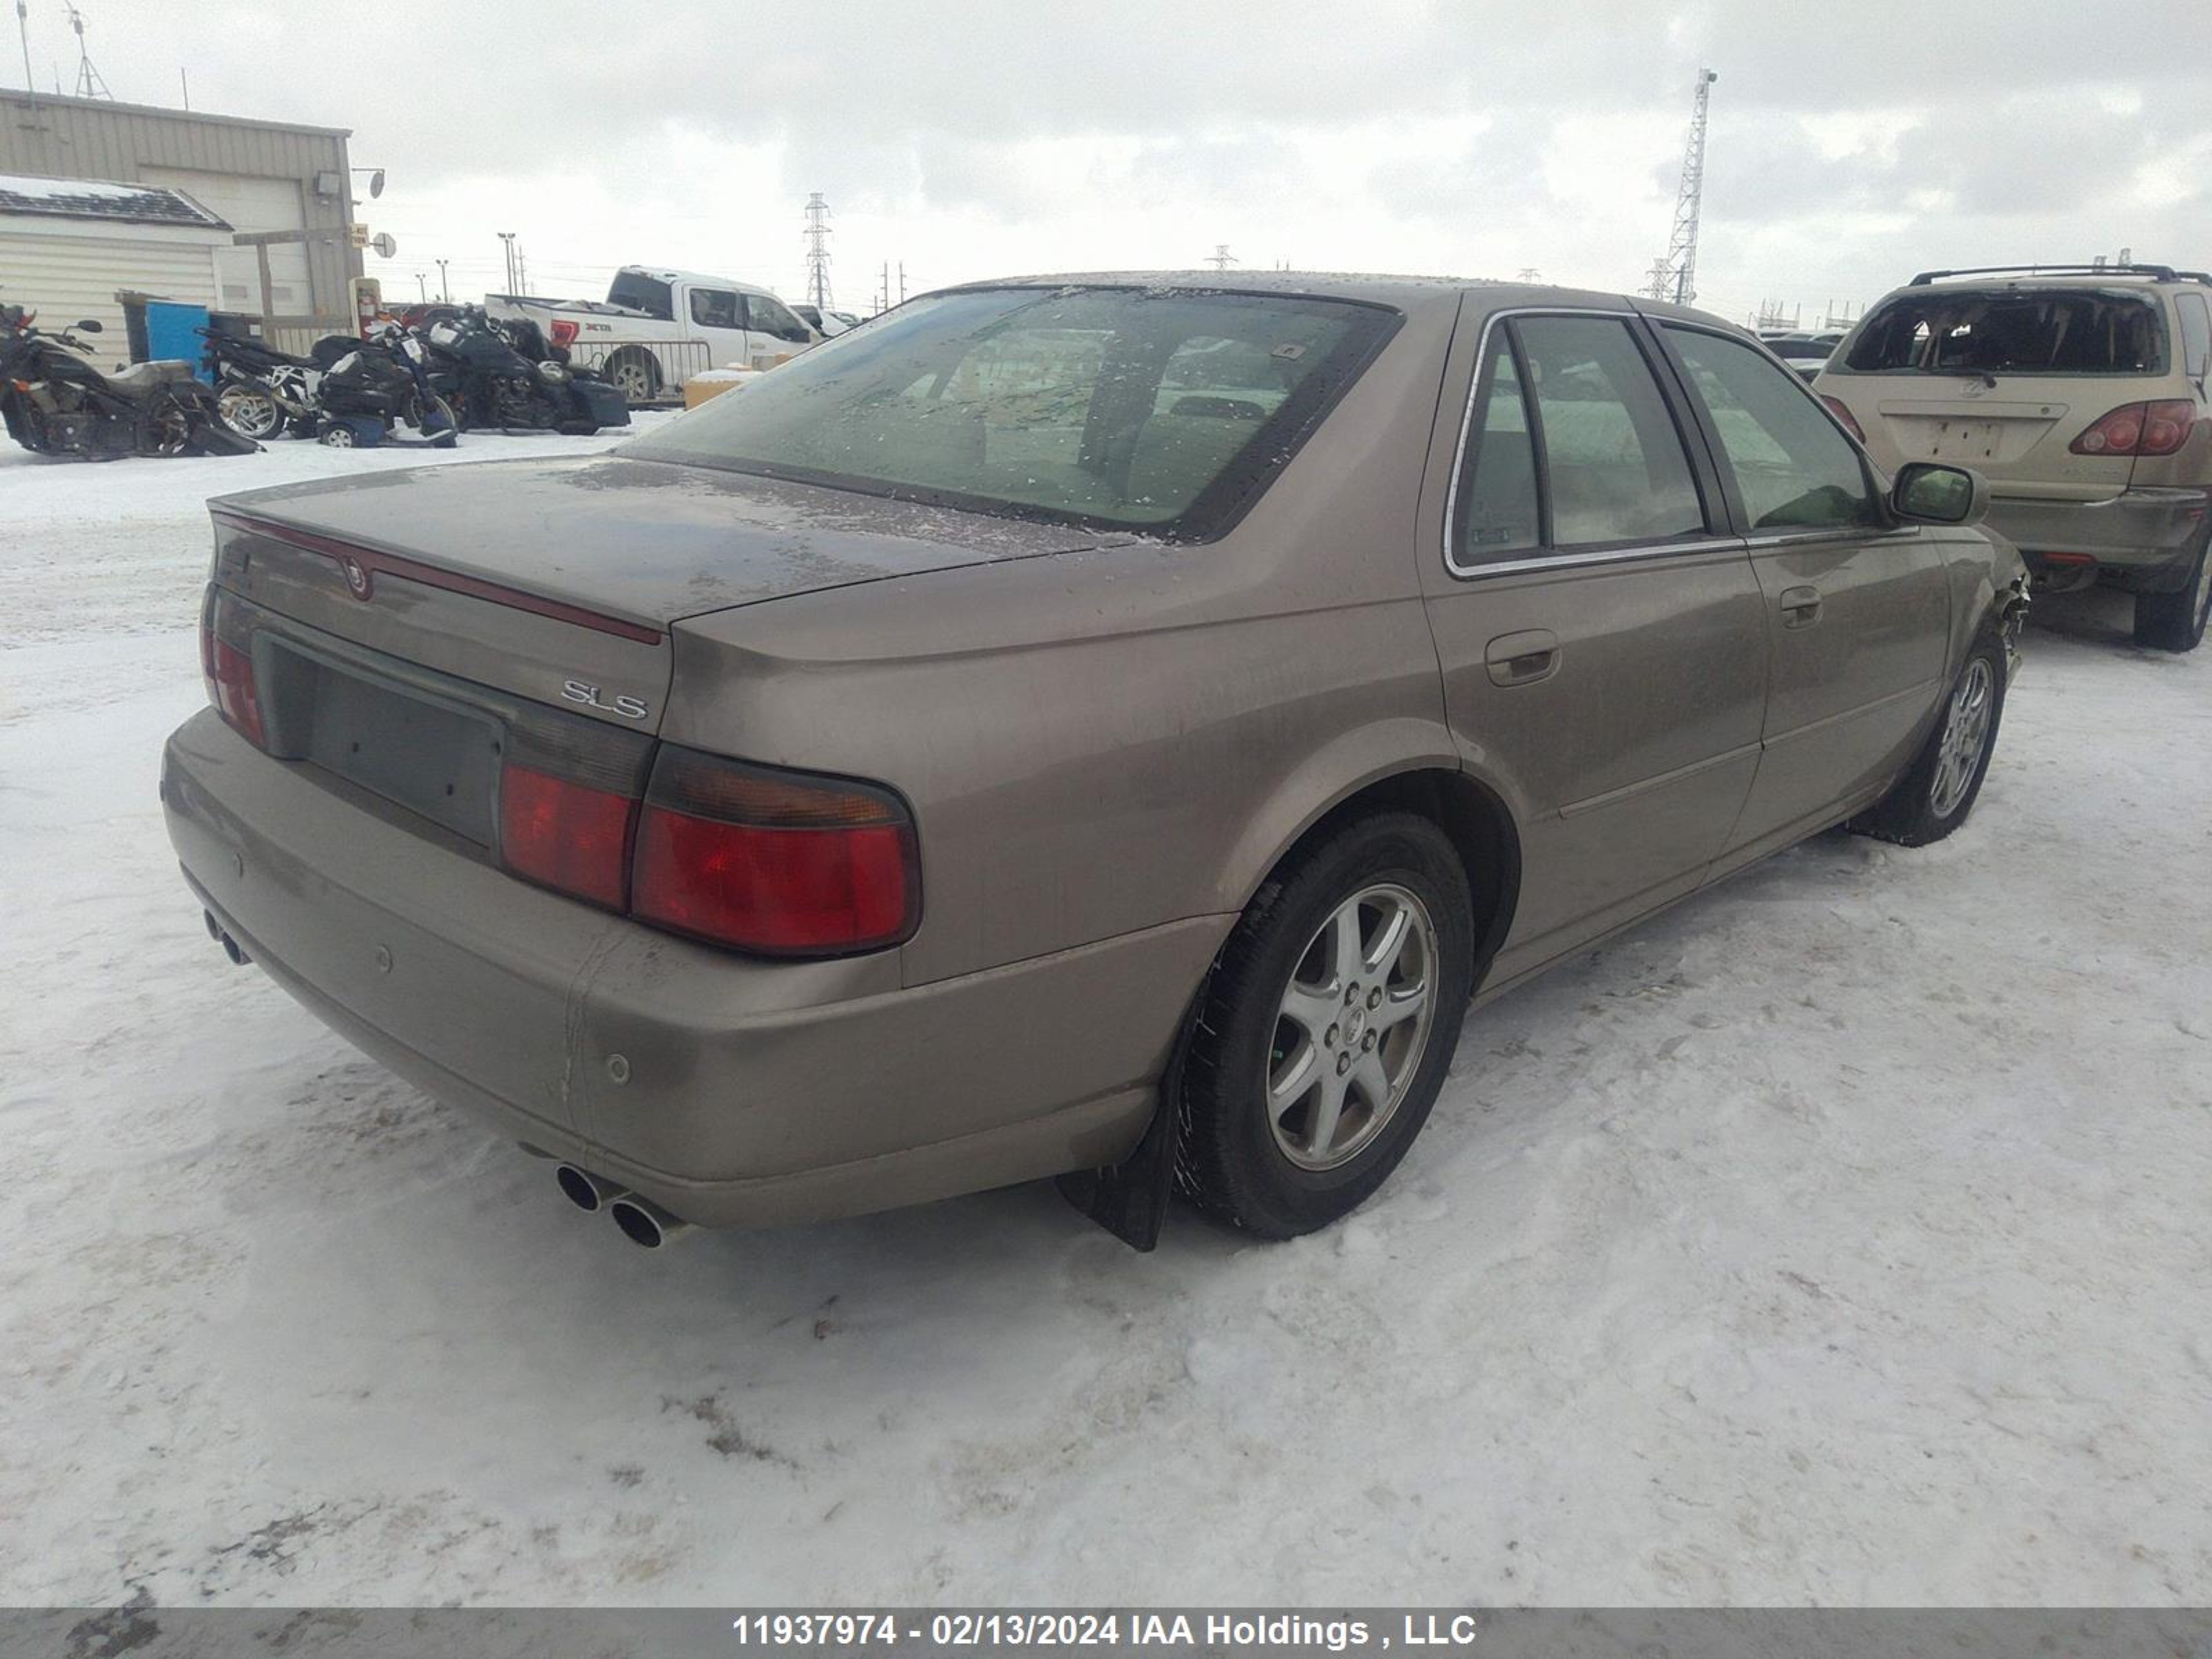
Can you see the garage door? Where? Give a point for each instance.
(251, 203)
(65, 277)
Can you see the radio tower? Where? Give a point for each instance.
(818, 251)
(1675, 276)
(88, 83)
(1221, 258)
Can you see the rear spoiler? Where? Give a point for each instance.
(2157, 273)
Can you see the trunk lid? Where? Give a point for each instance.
(557, 581)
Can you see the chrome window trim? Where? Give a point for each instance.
(1550, 558)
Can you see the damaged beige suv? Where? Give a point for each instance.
(1105, 728)
(2080, 393)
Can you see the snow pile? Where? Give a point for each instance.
(1839, 1236)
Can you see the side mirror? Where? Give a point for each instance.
(1927, 492)
(90, 325)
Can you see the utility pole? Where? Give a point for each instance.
(1530, 274)
(1674, 275)
(902, 282)
(818, 251)
(521, 271)
(88, 83)
(507, 239)
(445, 289)
(1221, 258)
(884, 294)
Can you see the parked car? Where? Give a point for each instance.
(1107, 726)
(1805, 353)
(637, 337)
(826, 323)
(2080, 392)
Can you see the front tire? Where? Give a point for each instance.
(1327, 1027)
(1939, 789)
(251, 414)
(2176, 622)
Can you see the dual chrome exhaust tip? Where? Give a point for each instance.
(642, 1222)
(231, 947)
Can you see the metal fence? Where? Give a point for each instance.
(673, 362)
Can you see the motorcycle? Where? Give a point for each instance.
(500, 372)
(260, 391)
(372, 388)
(55, 405)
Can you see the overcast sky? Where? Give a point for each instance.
(1852, 142)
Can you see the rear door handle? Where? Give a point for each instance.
(1522, 659)
(1801, 606)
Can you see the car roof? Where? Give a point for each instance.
(1401, 292)
(2076, 276)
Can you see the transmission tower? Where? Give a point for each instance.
(1221, 258)
(88, 83)
(818, 251)
(1675, 276)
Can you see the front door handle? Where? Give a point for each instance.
(1801, 606)
(1522, 659)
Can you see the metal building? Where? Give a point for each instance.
(255, 178)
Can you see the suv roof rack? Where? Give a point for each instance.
(2160, 273)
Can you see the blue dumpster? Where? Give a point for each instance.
(169, 334)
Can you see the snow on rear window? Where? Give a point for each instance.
(2013, 331)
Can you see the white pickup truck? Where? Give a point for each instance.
(656, 329)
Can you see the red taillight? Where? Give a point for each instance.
(782, 863)
(563, 331)
(1835, 408)
(229, 669)
(2153, 428)
(566, 835)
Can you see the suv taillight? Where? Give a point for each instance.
(2153, 428)
(780, 863)
(227, 663)
(1836, 407)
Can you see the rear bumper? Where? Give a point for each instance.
(2146, 538)
(728, 1090)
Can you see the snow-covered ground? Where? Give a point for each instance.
(1844, 1236)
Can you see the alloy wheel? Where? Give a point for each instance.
(249, 413)
(1352, 1026)
(1966, 735)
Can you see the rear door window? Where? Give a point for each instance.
(714, 307)
(1793, 470)
(2012, 330)
(1614, 469)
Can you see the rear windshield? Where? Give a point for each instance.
(1149, 410)
(645, 293)
(2012, 331)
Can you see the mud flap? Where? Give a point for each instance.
(1130, 1199)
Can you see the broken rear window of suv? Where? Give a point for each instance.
(1157, 410)
(2011, 330)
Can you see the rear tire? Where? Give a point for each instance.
(1939, 789)
(2176, 622)
(1320, 1043)
(635, 375)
